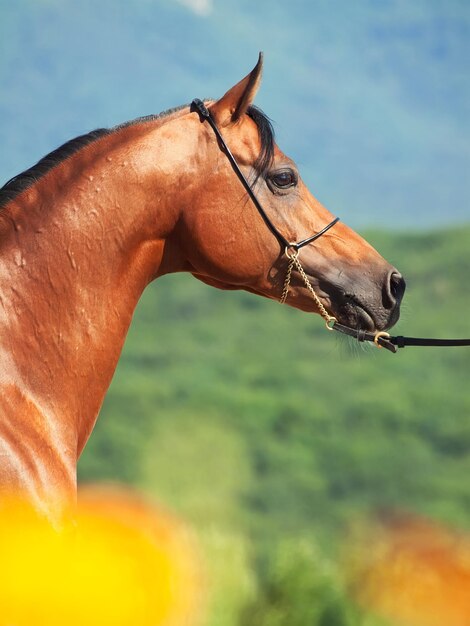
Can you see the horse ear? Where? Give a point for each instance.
(236, 101)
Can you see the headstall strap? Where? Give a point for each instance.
(381, 339)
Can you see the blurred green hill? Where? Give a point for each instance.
(259, 427)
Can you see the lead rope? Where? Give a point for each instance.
(293, 255)
(381, 339)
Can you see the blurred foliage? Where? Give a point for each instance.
(300, 587)
(258, 426)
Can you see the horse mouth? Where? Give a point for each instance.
(356, 314)
(365, 320)
(351, 310)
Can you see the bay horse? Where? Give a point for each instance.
(84, 231)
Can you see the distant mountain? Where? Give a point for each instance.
(371, 99)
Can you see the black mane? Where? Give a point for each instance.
(266, 134)
(24, 180)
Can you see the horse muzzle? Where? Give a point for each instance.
(366, 305)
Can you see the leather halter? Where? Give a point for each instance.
(204, 112)
(381, 339)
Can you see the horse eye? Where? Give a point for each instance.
(284, 179)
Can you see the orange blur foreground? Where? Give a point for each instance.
(122, 563)
(414, 572)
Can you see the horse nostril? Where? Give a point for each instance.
(397, 286)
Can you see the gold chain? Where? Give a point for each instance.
(293, 256)
(285, 291)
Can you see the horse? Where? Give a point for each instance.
(86, 229)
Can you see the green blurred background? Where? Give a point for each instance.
(269, 435)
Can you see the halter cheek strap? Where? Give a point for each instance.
(291, 248)
(200, 107)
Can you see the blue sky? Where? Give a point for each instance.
(371, 98)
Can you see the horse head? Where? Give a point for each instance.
(231, 243)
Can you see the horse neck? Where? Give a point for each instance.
(86, 240)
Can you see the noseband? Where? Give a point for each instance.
(291, 250)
